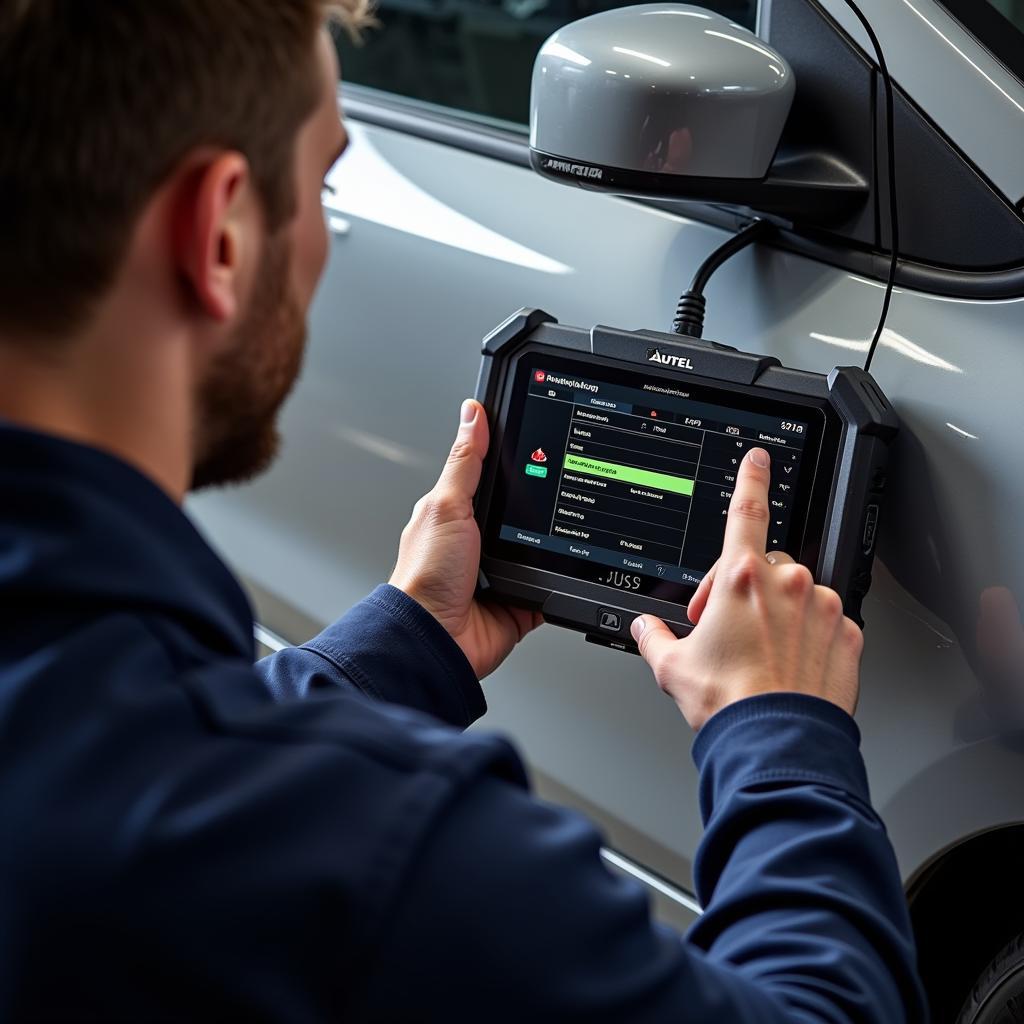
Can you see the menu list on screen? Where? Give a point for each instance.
(638, 479)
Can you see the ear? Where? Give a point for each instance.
(215, 233)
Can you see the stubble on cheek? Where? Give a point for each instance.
(238, 403)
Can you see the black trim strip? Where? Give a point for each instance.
(369, 107)
(918, 277)
(410, 118)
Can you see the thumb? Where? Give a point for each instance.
(461, 474)
(654, 639)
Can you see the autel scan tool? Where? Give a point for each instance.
(614, 453)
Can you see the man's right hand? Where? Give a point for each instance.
(761, 625)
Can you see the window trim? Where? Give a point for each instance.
(410, 117)
(436, 124)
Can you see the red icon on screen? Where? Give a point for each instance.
(654, 413)
(539, 456)
(539, 376)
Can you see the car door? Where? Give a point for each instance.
(440, 230)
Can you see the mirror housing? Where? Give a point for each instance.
(671, 101)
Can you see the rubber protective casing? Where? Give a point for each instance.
(845, 552)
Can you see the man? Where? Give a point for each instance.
(187, 836)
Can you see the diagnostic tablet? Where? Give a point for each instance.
(613, 458)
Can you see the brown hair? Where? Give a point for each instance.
(100, 100)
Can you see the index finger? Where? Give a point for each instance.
(747, 527)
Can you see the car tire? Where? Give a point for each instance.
(998, 995)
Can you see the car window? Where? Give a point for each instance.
(998, 24)
(474, 57)
(1012, 9)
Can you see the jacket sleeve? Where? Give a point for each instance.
(510, 911)
(390, 649)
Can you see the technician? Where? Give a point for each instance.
(187, 835)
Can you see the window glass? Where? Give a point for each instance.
(474, 56)
(999, 24)
(1012, 9)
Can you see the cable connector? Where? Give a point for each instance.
(689, 319)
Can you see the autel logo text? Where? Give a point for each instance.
(580, 170)
(655, 355)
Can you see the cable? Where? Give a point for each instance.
(890, 137)
(689, 319)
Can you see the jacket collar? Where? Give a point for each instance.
(81, 529)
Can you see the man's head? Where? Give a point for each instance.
(172, 149)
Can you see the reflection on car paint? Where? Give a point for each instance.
(890, 339)
(366, 185)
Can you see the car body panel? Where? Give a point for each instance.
(440, 245)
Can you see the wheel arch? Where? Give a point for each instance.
(965, 904)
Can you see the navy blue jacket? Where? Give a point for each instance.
(184, 835)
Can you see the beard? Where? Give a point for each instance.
(246, 385)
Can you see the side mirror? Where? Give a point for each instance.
(671, 101)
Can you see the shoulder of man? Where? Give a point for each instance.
(239, 854)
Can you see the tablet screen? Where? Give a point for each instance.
(624, 479)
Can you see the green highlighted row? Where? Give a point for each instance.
(629, 475)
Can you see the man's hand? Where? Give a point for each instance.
(439, 556)
(760, 626)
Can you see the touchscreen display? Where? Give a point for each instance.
(625, 479)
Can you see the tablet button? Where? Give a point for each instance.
(609, 621)
(870, 528)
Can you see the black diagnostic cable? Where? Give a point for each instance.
(689, 318)
(890, 141)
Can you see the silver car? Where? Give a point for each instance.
(440, 230)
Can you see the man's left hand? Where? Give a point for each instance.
(439, 556)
